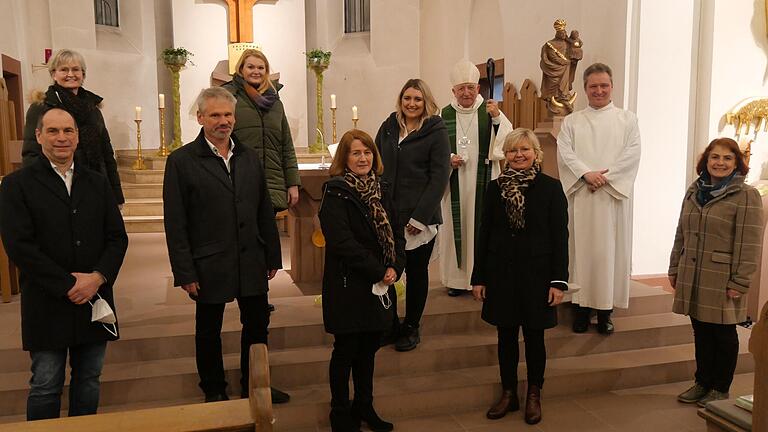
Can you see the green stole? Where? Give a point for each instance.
(483, 172)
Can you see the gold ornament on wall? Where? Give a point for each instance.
(749, 115)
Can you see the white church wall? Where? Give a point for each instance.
(11, 34)
(367, 69)
(201, 27)
(445, 35)
(24, 34)
(602, 25)
(119, 61)
(663, 90)
(734, 57)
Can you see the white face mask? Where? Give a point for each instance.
(381, 290)
(103, 313)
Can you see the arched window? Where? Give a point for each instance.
(357, 16)
(106, 12)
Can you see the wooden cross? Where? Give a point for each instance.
(240, 20)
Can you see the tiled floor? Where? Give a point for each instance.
(641, 409)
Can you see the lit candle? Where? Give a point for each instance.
(138, 113)
(333, 101)
(161, 100)
(354, 113)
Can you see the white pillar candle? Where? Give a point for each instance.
(161, 100)
(333, 101)
(138, 113)
(354, 113)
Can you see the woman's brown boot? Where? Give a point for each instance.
(507, 403)
(533, 404)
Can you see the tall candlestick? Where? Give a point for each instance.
(163, 150)
(354, 113)
(333, 120)
(161, 100)
(138, 164)
(333, 101)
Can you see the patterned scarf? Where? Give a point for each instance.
(707, 190)
(262, 101)
(81, 107)
(369, 190)
(513, 183)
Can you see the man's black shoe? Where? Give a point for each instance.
(605, 327)
(580, 326)
(216, 397)
(453, 292)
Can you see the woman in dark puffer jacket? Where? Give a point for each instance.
(260, 123)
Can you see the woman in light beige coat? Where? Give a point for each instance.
(716, 249)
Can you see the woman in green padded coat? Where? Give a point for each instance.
(260, 123)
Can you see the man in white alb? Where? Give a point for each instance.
(476, 129)
(598, 153)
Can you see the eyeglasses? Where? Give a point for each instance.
(519, 150)
(66, 70)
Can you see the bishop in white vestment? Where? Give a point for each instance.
(598, 157)
(476, 148)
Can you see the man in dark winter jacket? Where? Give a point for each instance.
(60, 224)
(222, 238)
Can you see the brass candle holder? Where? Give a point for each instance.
(138, 164)
(333, 124)
(354, 123)
(163, 150)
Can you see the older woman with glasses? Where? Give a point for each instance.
(94, 149)
(521, 266)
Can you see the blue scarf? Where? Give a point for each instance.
(708, 191)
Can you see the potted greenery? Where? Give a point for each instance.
(176, 56)
(318, 58)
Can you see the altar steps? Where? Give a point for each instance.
(455, 365)
(143, 191)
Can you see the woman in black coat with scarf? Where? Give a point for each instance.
(94, 149)
(363, 256)
(521, 266)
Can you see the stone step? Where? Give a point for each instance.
(143, 207)
(138, 190)
(125, 159)
(298, 324)
(143, 224)
(421, 394)
(147, 176)
(411, 393)
(176, 377)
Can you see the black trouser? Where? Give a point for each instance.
(417, 287)
(717, 351)
(583, 313)
(353, 352)
(208, 319)
(509, 355)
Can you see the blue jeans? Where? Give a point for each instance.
(47, 381)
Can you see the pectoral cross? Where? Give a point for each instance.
(240, 14)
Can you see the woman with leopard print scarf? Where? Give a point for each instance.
(364, 255)
(521, 266)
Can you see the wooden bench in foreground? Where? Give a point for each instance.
(254, 414)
